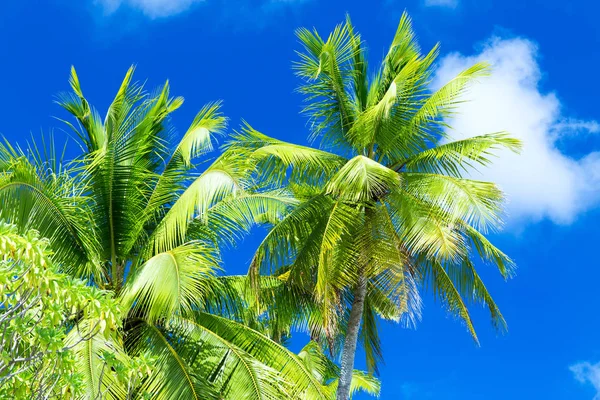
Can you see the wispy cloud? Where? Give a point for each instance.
(574, 126)
(441, 3)
(155, 9)
(542, 182)
(150, 8)
(588, 373)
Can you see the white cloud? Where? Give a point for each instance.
(151, 8)
(441, 3)
(541, 182)
(572, 126)
(586, 372)
(166, 8)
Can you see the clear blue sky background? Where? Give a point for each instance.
(241, 51)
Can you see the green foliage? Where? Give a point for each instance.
(134, 214)
(359, 229)
(387, 200)
(46, 319)
(328, 372)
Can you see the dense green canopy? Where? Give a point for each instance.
(133, 214)
(383, 211)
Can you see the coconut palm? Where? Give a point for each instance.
(387, 205)
(134, 214)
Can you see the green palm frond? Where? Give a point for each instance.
(327, 70)
(214, 185)
(364, 382)
(272, 159)
(173, 377)
(363, 180)
(444, 289)
(327, 372)
(478, 203)
(459, 157)
(53, 204)
(91, 351)
(236, 216)
(172, 282)
(92, 133)
(488, 252)
(443, 102)
(197, 139)
(360, 79)
(220, 358)
(472, 289)
(288, 365)
(423, 228)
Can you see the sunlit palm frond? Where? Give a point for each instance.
(473, 290)
(90, 352)
(215, 184)
(360, 79)
(236, 216)
(488, 252)
(443, 102)
(93, 134)
(172, 174)
(173, 377)
(459, 157)
(274, 160)
(478, 203)
(380, 124)
(33, 197)
(197, 140)
(327, 70)
(172, 282)
(363, 180)
(327, 372)
(443, 288)
(288, 366)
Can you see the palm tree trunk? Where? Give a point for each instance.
(117, 276)
(349, 350)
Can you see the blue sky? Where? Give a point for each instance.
(544, 91)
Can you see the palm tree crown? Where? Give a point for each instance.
(132, 214)
(386, 208)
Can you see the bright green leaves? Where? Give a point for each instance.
(235, 216)
(207, 190)
(54, 204)
(291, 371)
(137, 216)
(327, 69)
(235, 361)
(459, 157)
(477, 203)
(58, 327)
(172, 377)
(274, 161)
(444, 101)
(105, 369)
(363, 180)
(173, 282)
(404, 46)
(134, 179)
(327, 372)
(93, 134)
(197, 139)
(389, 203)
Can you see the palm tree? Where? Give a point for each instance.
(133, 214)
(385, 207)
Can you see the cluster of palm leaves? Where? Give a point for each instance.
(385, 208)
(357, 227)
(132, 215)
